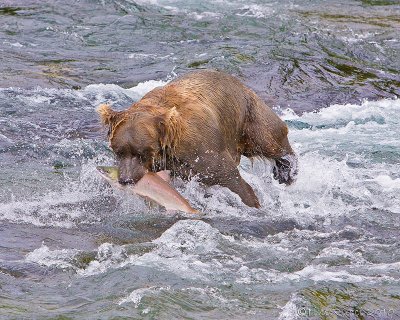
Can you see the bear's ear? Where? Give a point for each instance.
(107, 115)
(170, 128)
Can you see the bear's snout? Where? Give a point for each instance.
(131, 170)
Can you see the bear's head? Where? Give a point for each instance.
(139, 137)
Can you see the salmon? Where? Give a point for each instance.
(153, 186)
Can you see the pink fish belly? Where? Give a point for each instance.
(155, 188)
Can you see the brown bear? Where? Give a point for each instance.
(199, 125)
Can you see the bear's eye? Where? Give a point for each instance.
(121, 152)
(126, 151)
(146, 153)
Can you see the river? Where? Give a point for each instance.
(327, 247)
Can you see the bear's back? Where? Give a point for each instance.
(210, 95)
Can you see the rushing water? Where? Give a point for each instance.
(327, 247)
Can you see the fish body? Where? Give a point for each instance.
(152, 186)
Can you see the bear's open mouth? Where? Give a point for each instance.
(285, 169)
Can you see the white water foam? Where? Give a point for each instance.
(257, 11)
(290, 310)
(137, 295)
(101, 91)
(219, 6)
(176, 250)
(387, 183)
(194, 250)
(52, 258)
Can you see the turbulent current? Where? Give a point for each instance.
(327, 247)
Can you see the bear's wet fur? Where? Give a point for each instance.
(199, 125)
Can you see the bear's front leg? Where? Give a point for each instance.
(220, 169)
